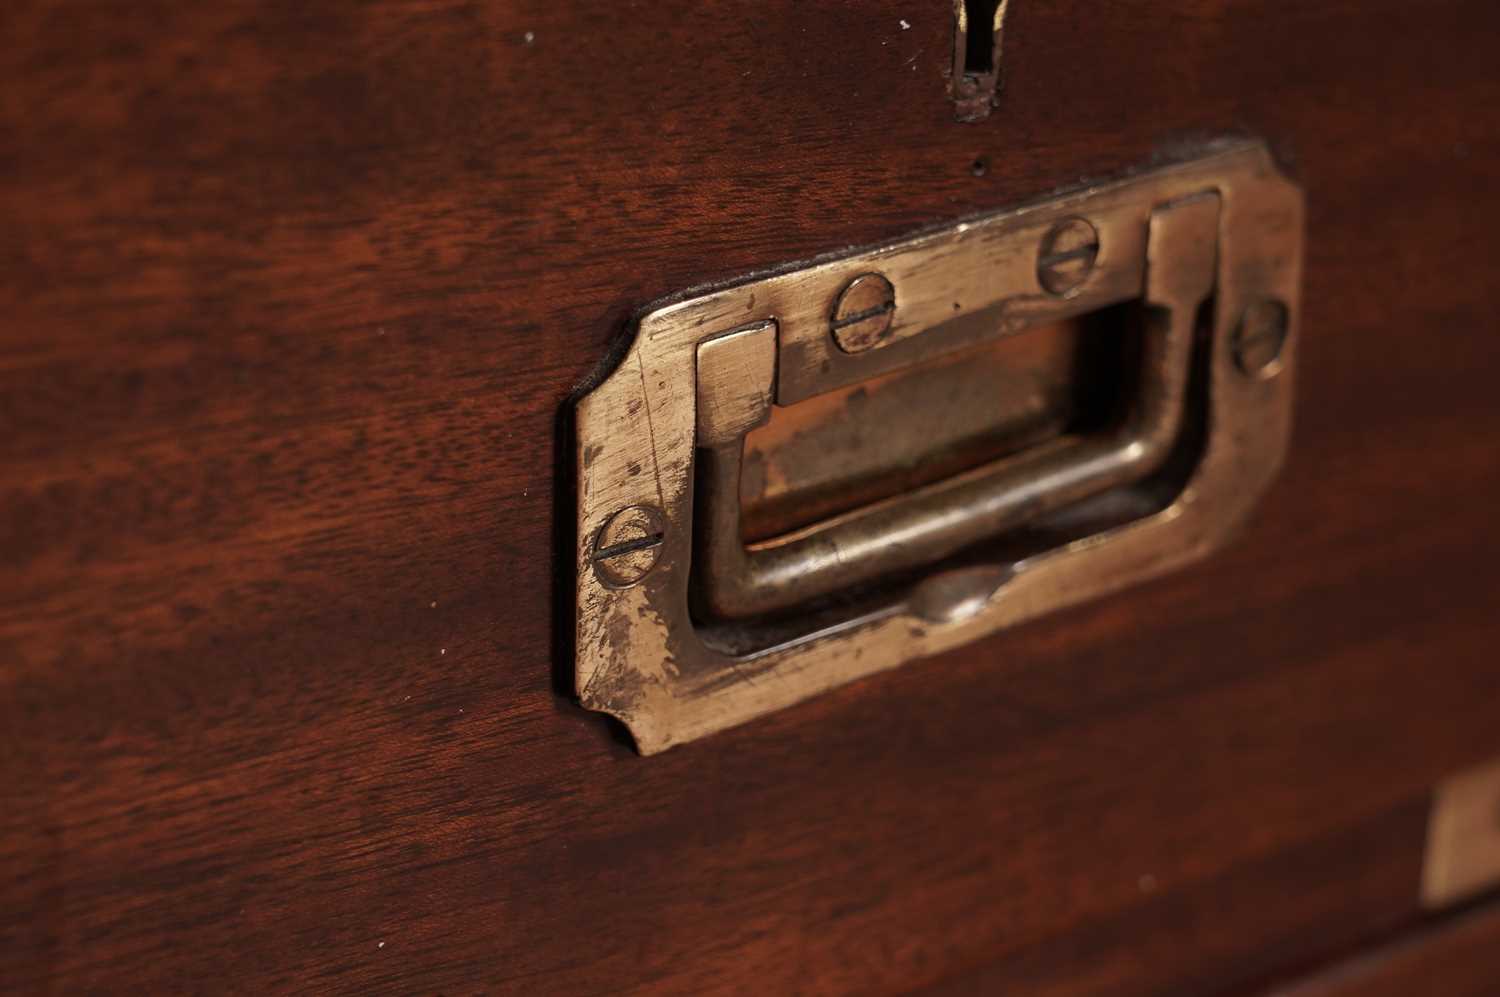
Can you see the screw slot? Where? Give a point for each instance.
(628, 545)
(863, 313)
(1260, 337)
(1067, 256)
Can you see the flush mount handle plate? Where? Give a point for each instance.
(667, 587)
(740, 581)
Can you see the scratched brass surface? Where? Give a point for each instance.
(1205, 433)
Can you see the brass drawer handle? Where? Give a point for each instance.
(729, 565)
(944, 517)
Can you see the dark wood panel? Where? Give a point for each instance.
(292, 296)
(1190, 938)
(1457, 957)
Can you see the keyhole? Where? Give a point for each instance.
(976, 56)
(979, 39)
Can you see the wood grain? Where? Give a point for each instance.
(292, 297)
(1455, 957)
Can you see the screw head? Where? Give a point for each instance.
(863, 313)
(1066, 256)
(1260, 338)
(627, 546)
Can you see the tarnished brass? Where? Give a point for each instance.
(853, 446)
(777, 570)
(942, 518)
(1463, 836)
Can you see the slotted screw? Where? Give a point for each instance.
(1067, 256)
(627, 546)
(1260, 337)
(863, 313)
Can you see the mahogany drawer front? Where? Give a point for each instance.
(1459, 957)
(293, 300)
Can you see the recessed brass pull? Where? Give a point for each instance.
(778, 568)
(946, 516)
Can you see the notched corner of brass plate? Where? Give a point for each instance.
(806, 478)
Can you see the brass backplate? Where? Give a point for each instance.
(1214, 244)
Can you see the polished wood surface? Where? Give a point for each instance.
(1459, 957)
(291, 299)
